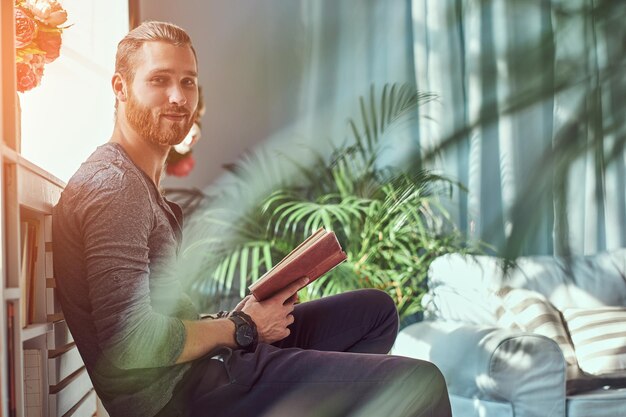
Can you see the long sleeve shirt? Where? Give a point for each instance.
(115, 238)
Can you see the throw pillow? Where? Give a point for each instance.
(530, 311)
(599, 337)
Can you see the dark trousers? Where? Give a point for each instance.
(334, 363)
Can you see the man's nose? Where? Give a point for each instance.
(177, 96)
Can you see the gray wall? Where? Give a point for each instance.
(239, 60)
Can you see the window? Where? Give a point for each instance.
(71, 112)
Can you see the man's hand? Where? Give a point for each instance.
(272, 316)
(242, 303)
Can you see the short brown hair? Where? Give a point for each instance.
(150, 31)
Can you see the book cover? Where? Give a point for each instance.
(33, 388)
(11, 359)
(59, 337)
(314, 257)
(33, 249)
(29, 234)
(24, 281)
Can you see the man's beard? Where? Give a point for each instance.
(147, 125)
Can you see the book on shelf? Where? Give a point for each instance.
(63, 397)
(24, 235)
(314, 257)
(29, 232)
(59, 336)
(63, 363)
(52, 302)
(11, 359)
(33, 383)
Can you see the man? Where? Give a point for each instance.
(143, 343)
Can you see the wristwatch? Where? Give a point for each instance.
(246, 335)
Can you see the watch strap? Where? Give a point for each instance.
(240, 322)
(246, 317)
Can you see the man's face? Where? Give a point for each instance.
(163, 95)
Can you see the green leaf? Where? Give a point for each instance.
(243, 271)
(389, 221)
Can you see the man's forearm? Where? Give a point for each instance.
(203, 336)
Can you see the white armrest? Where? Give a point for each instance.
(493, 364)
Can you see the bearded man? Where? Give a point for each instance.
(144, 344)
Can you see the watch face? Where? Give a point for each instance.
(245, 335)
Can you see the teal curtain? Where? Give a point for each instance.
(341, 49)
(530, 92)
(316, 59)
(350, 46)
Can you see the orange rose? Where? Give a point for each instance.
(36, 62)
(26, 77)
(25, 28)
(29, 71)
(49, 12)
(50, 43)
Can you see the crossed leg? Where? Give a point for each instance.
(334, 363)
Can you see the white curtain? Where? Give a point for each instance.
(529, 92)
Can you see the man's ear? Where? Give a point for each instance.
(119, 87)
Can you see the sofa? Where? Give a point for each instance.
(495, 366)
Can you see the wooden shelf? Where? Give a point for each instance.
(12, 156)
(26, 164)
(38, 190)
(9, 154)
(11, 294)
(27, 194)
(35, 330)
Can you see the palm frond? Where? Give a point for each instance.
(383, 217)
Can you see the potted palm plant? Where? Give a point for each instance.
(389, 220)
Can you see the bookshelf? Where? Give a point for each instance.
(44, 375)
(41, 372)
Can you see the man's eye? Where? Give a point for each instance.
(158, 80)
(189, 82)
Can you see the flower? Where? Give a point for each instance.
(182, 167)
(26, 77)
(25, 28)
(29, 72)
(37, 39)
(49, 12)
(179, 160)
(190, 140)
(50, 43)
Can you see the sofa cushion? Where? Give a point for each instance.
(599, 403)
(599, 338)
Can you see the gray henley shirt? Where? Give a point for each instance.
(114, 239)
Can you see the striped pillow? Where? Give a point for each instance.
(599, 337)
(530, 311)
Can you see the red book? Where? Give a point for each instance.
(314, 257)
